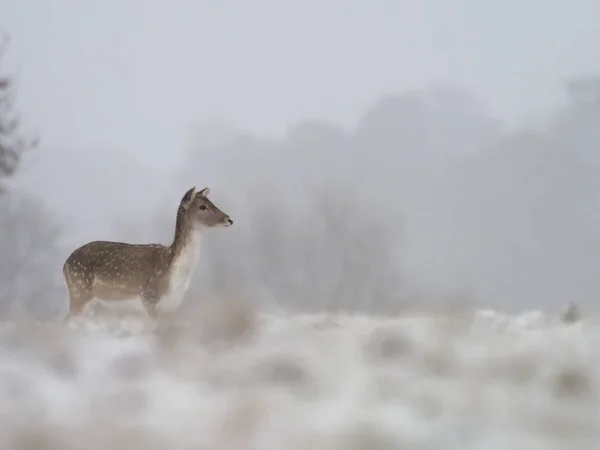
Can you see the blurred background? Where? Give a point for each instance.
(374, 155)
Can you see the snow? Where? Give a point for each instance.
(234, 378)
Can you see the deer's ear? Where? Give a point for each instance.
(205, 192)
(188, 197)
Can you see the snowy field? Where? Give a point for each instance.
(228, 378)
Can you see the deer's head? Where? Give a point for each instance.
(200, 212)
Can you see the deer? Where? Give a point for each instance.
(152, 278)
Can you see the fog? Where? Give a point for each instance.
(374, 156)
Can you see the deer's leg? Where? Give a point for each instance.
(79, 297)
(151, 307)
(77, 304)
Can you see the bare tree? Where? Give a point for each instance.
(326, 254)
(28, 236)
(12, 142)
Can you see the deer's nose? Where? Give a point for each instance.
(230, 221)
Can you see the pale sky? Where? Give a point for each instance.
(136, 76)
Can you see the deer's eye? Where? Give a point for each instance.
(202, 207)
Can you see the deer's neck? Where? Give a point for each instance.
(184, 258)
(186, 241)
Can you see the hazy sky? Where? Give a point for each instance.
(110, 84)
(137, 75)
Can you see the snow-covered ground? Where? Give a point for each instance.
(229, 378)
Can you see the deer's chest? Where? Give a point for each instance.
(181, 275)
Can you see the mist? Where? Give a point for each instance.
(415, 243)
(374, 157)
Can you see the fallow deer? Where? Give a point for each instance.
(151, 277)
